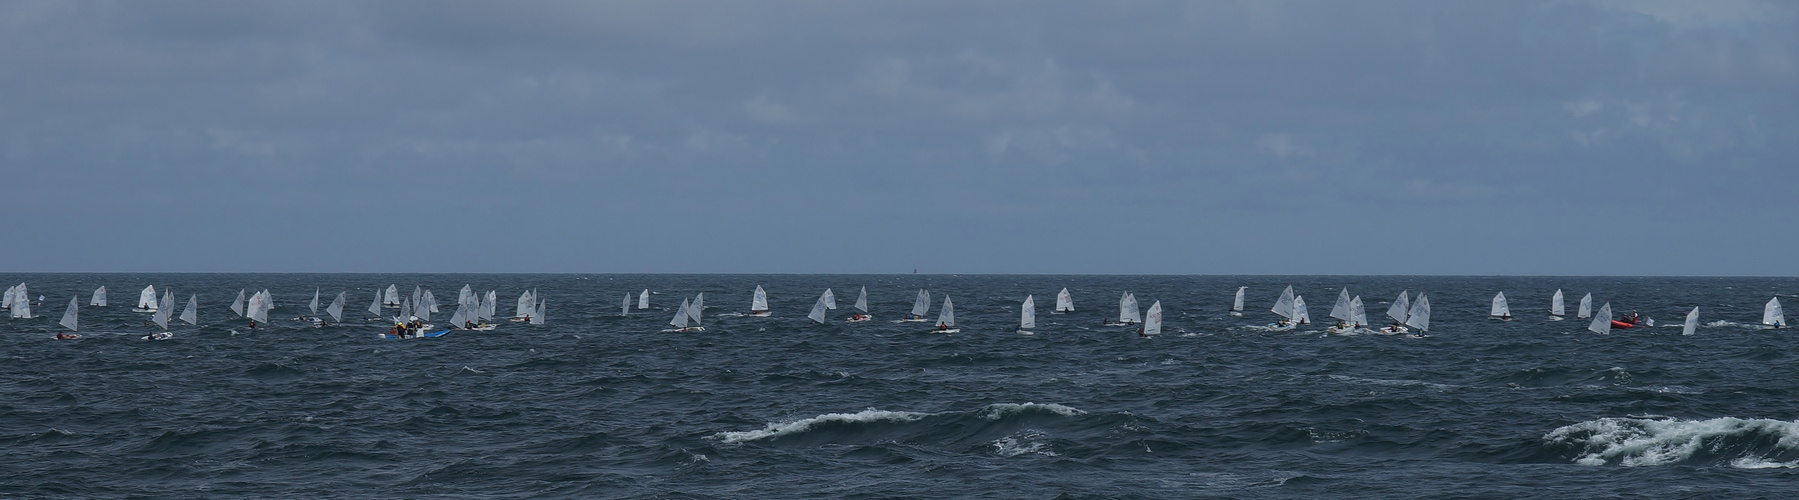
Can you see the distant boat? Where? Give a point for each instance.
(525, 307)
(1692, 322)
(391, 297)
(1027, 315)
(861, 305)
(1358, 318)
(99, 297)
(1399, 311)
(1284, 307)
(374, 307)
(920, 306)
(1500, 310)
(946, 319)
(71, 320)
(830, 300)
(698, 308)
(818, 311)
(1127, 311)
(759, 303)
(539, 317)
(1419, 315)
(1772, 316)
(237, 306)
(1152, 322)
(1237, 303)
(1586, 307)
(21, 302)
(164, 310)
(682, 316)
(1602, 322)
(643, 299)
(336, 309)
(1064, 302)
(1299, 310)
(625, 309)
(1344, 310)
(1555, 306)
(191, 314)
(146, 300)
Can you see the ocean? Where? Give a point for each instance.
(592, 404)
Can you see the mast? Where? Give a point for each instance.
(1027, 314)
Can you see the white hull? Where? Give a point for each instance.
(1555, 318)
(951, 330)
(1237, 313)
(914, 320)
(142, 310)
(159, 336)
(858, 319)
(691, 329)
(1026, 332)
(1393, 330)
(1281, 328)
(762, 314)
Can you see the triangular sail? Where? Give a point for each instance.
(7, 300)
(680, 320)
(1152, 323)
(1555, 304)
(21, 302)
(430, 301)
(1340, 310)
(191, 314)
(147, 298)
(314, 305)
(526, 305)
(1127, 309)
(947, 317)
(539, 318)
(1602, 322)
(1284, 305)
(1064, 301)
(467, 295)
(460, 317)
(759, 302)
(164, 310)
(258, 309)
(391, 296)
(818, 310)
(490, 304)
(698, 308)
(830, 300)
(1027, 314)
(405, 312)
(70, 316)
(1237, 303)
(423, 308)
(862, 301)
(1500, 308)
(1419, 315)
(1357, 316)
(643, 299)
(1772, 315)
(625, 309)
(1400, 307)
(922, 304)
(375, 307)
(1299, 310)
(336, 309)
(237, 306)
(99, 297)
(1586, 307)
(1692, 322)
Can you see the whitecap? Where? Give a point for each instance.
(1660, 441)
(1000, 410)
(789, 428)
(1028, 441)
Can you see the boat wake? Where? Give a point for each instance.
(1734, 442)
(877, 425)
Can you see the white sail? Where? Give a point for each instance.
(526, 305)
(467, 295)
(830, 300)
(698, 308)
(421, 307)
(21, 302)
(1692, 322)
(99, 297)
(1127, 309)
(1299, 310)
(258, 310)
(1027, 314)
(1602, 322)
(818, 311)
(759, 302)
(70, 318)
(922, 304)
(405, 312)
(147, 299)
(391, 296)
(680, 320)
(862, 301)
(1340, 310)
(191, 314)
(539, 318)
(1586, 307)
(164, 310)
(1772, 315)
(947, 317)
(237, 306)
(1064, 301)
(1284, 305)
(643, 299)
(1237, 303)
(336, 309)
(1357, 316)
(12, 292)
(490, 304)
(374, 307)
(460, 317)
(1500, 308)
(430, 301)
(1419, 315)
(1555, 304)
(1152, 323)
(314, 305)
(1400, 307)
(625, 309)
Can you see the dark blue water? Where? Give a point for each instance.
(592, 404)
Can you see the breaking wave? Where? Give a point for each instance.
(1734, 442)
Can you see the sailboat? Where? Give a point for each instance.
(1500, 310)
(1344, 313)
(1284, 307)
(336, 309)
(537, 317)
(862, 306)
(391, 297)
(527, 304)
(1692, 322)
(1358, 318)
(12, 293)
(1555, 306)
(258, 310)
(161, 317)
(625, 309)
(1419, 316)
(1586, 307)
(374, 307)
(1398, 311)
(1602, 322)
(643, 299)
(1237, 303)
(71, 320)
(1152, 322)
(1299, 311)
(920, 306)
(682, 317)
(818, 311)
(1127, 311)
(699, 307)
(1027, 315)
(1772, 316)
(99, 298)
(146, 300)
(1064, 302)
(830, 300)
(314, 307)
(237, 306)
(21, 303)
(191, 314)
(946, 318)
(759, 304)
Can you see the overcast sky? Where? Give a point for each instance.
(1266, 137)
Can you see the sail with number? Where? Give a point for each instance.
(643, 299)
(680, 320)
(1127, 309)
(1500, 309)
(1586, 308)
(1692, 322)
(1064, 301)
(759, 302)
(922, 304)
(1400, 307)
(1237, 303)
(258, 309)
(862, 300)
(70, 317)
(1152, 322)
(830, 300)
(460, 317)
(818, 311)
(237, 306)
(1602, 322)
(336, 309)
(1419, 315)
(99, 297)
(1772, 315)
(1284, 305)
(1027, 314)
(191, 314)
(391, 297)
(1555, 304)
(1299, 310)
(490, 305)
(527, 304)
(947, 317)
(164, 310)
(146, 299)
(1357, 316)
(1340, 310)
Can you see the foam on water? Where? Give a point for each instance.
(775, 430)
(1744, 443)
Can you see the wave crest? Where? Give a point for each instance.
(775, 430)
(1742, 443)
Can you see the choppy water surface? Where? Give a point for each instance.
(593, 404)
